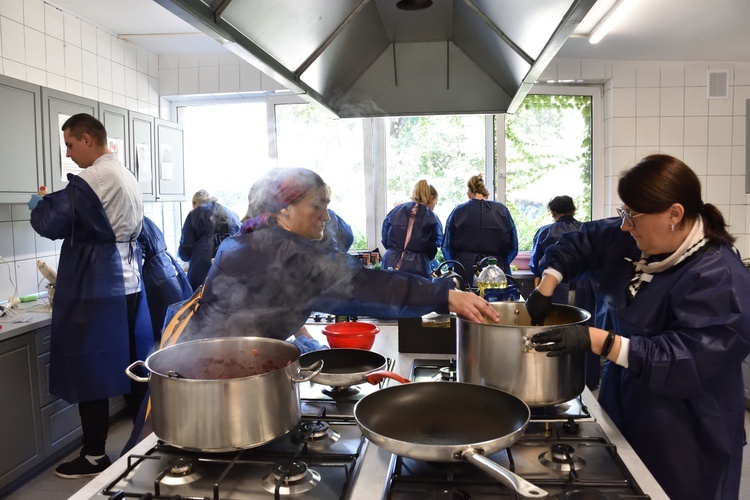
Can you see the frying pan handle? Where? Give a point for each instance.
(129, 372)
(314, 369)
(522, 486)
(376, 377)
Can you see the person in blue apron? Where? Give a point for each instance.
(164, 281)
(480, 228)
(205, 227)
(267, 280)
(338, 233)
(411, 233)
(579, 293)
(673, 321)
(100, 321)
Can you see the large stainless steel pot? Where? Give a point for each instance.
(500, 355)
(223, 394)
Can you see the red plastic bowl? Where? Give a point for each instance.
(351, 335)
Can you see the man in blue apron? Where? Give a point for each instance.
(99, 322)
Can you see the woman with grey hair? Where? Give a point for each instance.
(267, 280)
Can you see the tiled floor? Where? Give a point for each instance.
(47, 486)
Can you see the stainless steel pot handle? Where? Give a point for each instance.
(314, 369)
(132, 375)
(519, 484)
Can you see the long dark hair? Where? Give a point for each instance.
(658, 181)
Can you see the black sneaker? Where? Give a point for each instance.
(82, 467)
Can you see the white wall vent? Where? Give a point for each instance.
(718, 84)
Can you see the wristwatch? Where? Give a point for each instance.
(608, 343)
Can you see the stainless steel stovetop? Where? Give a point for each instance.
(319, 459)
(563, 451)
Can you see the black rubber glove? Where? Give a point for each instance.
(538, 306)
(564, 340)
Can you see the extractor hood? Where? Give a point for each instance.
(366, 58)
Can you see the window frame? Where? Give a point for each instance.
(374, 149)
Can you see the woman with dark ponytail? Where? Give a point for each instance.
(672, 320)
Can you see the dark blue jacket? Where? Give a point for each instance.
(477, 229)
(680, 403)
(426, 235)
(338, 233)
(547, 236)
(90, 346)
(267, 282)
(205, 227)
(164, 281)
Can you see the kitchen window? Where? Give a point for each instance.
(546, 149)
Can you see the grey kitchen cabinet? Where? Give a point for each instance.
(142, 152)
(20, 421)
(115, 120)
(56, 108)
(61, 424)
(21, 161)
(170, 161)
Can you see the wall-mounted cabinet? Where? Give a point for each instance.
(21, 164)
(56, 108)
(170, 161)
(33, 152)
(142, 154)
(115, 120)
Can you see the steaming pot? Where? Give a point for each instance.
(224, 394)
(500, 355)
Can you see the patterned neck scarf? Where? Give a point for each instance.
(644, 270)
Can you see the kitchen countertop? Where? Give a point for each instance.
(27, 317)
(371, 480)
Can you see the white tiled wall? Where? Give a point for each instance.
(42, 45)
(663, 107)
(46, 46)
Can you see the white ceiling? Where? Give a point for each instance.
(666, 30)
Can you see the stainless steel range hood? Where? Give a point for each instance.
(365, 58)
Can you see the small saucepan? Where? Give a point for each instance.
(447, 422)
(348, 367)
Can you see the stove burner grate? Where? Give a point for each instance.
(341, 392)
(291, 478)
(316, 434)
(181, 471)
(561, 457)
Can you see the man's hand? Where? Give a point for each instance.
(564, 340)
(472, 307)
(538, 306)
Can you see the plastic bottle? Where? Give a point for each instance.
(47, 271)
(491, 281)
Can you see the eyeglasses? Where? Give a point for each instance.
(628, 217)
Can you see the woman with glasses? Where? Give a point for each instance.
(673, 321)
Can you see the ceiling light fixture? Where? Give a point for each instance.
(610, 19)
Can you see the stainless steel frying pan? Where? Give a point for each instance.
(446, 422)
(348, 367)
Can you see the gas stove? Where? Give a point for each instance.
(318, 459)
(432, 370)
(563, 451)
